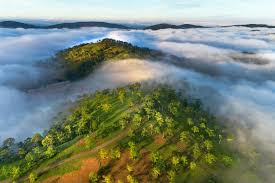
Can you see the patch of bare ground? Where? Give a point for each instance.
(80, 176)
(141, 167)
(159, 140)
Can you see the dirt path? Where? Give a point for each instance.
(82, 154)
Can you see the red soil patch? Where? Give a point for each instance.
(80, 176)
(159, 140)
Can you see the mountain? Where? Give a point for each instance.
(14, 24)
(253, 26)
(76, 25)
(82, 59)
(171, 26)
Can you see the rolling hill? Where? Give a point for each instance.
(81, 60)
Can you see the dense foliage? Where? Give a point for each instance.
(81, 60)
(191, 135)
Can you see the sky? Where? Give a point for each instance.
(250, 11)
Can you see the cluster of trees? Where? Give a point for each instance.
(81, 60)
(163, 112)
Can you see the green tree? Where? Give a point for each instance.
(227, 161)
(106, 107)
(48, 141)
(50, 152)
(8, 142)
(155, 172)
(93, 177)
(115, 153)
(184, 161)
(133, 150)
(15, 172)
(131, 179)
(171, 176)
(193, 165)
(37, 138)
(175, 161)
(208, 145)
(107, 179)
(129, 168)
(33, 177)
(210, 158)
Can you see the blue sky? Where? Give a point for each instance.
(142, 10)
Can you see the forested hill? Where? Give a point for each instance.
(81, 60)
(130, 134)
(14, 24)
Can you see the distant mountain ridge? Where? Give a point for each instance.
(73, 25)
(171, 26)
(77, 25)
(14, 24)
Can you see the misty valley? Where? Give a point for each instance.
(162, 103)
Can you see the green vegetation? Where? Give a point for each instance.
(81, 60)
(169, 134)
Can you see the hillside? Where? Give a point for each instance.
(81, 60)
(132, 134)
(14, 24)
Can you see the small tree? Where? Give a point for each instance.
(103, 154)
(155, 172)
(37, 138)
(184, 161)
(129, 168)
(227, 161)
(115, 153)
(133, 150)
(208, 145)
(171, 176)
(50, 152)
(193, 165)
(175, 161)
(107, 179)
(93, 177)
(48, 141)
(15, 173)
(210, 158)
(8, 142)
(33, 177)
(131, 179)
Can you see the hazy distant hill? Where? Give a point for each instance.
(14, 24)
(76, 25)
(253, 26)
(171, 26)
